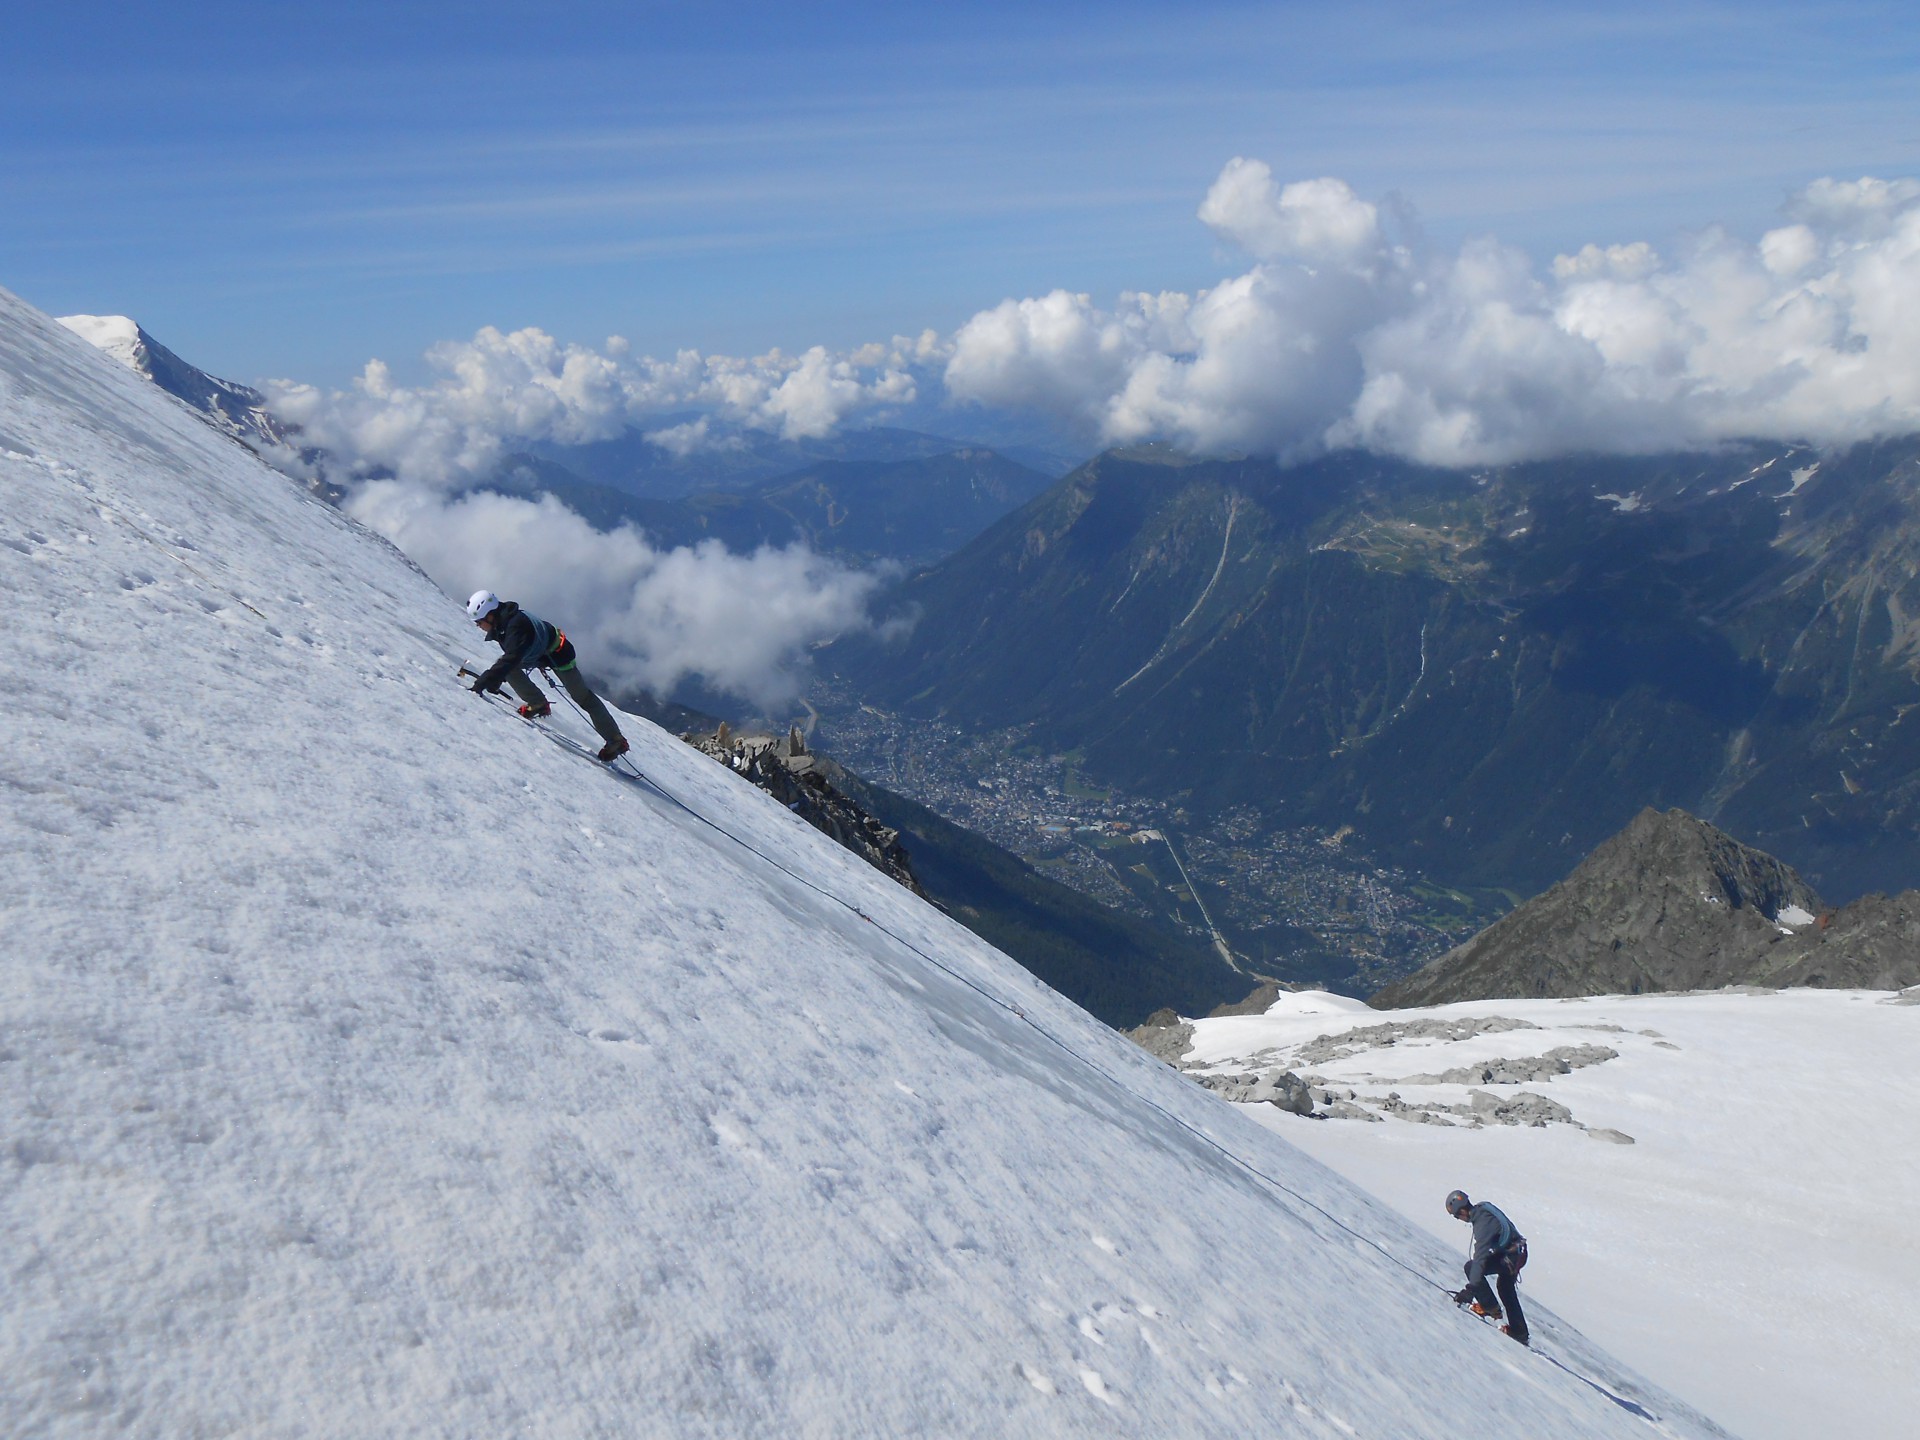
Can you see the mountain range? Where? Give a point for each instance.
(642, 466)
(907, 512)
(1484, 672)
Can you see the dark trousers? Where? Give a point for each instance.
(569, 677)
(1509, 1302)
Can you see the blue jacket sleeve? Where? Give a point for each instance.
(1486, 1241)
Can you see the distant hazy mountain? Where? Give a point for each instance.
(912, 511)
(231, 408)
(1671, 903)
(1486, 673)
(645, 468)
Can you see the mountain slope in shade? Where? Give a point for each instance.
(377, 1065)
(1671, 903)
(233, 409)
(910, 512)
(1485, 673)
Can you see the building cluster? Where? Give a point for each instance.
(1262, 886)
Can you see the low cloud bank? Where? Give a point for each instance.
(1346, 334)
(641, 616)
(500, 387)
(1346, 331)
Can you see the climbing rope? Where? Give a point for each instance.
(1179, 1122)
(1038, 1029)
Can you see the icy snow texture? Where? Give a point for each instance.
(373, 1066)
(1754, 1245)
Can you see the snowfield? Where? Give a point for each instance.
(1753, 1245)
(372, 1066)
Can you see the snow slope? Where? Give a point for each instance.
(1754, 1245)
(372, 1066)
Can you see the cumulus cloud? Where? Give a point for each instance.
(411, 455)
(1339, 336)
(1317, 222)
(501, 387)
(641, 616)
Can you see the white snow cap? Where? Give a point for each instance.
(116, 334)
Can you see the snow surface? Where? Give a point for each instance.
(1753, 1246)
(117, 335)
(373, 1066)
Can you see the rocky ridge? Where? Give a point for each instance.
(1672, 903)
(1293, 1078)
(804, 782)
(235, 410)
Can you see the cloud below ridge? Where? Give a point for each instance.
(646, 617)
(641, 616)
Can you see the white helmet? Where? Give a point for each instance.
(482, 604)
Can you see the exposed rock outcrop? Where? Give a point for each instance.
(1270, 1087)
(1164, 1035)
(1671, 903)
(804, 783)
(1257, 1003)
(1561, 1060)
(1326, 1048)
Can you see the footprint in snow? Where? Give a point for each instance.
(1034, 1378)
(1097, 1386)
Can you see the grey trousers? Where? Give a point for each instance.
(577, 688)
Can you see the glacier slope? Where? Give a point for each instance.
(1753, 1243)
(371, 1066)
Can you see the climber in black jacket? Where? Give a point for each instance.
(1498, 1250)
(527, 641)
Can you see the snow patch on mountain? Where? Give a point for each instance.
(117, 335)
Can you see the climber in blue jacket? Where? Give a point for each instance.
(1499, 1250)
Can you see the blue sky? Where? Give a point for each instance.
(292, 190)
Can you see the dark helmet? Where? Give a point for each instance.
(1458, 1204)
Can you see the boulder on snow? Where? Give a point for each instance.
(1270, 1087)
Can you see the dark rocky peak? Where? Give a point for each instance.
(1669, 903)
(1688, 854)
